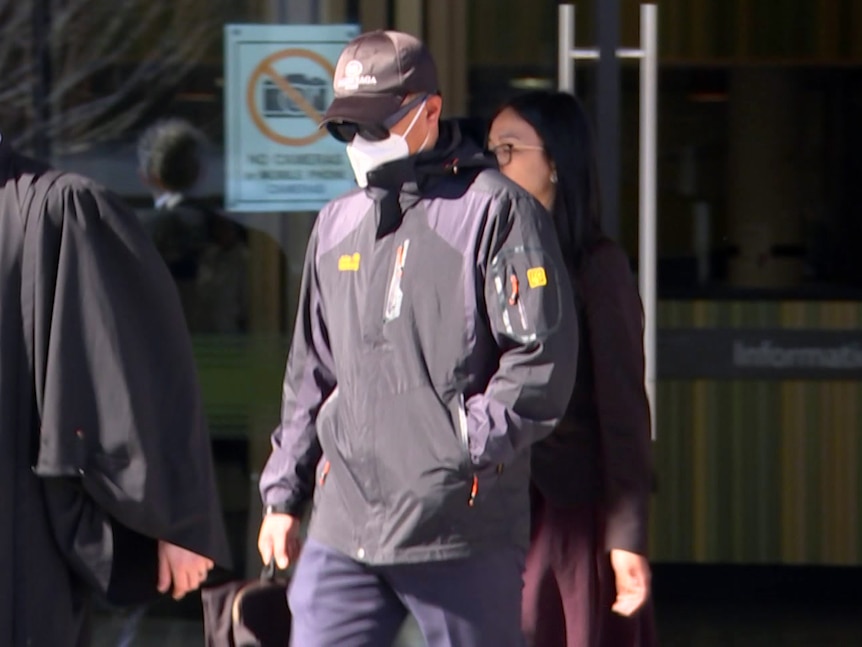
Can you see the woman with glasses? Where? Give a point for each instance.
(587, 577)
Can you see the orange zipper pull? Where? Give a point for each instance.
(324, 472)
(474, 490)
(513, 298)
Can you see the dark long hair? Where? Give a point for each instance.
(562, 124)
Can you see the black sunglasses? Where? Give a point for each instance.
(345, 131)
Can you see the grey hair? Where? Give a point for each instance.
(169, 153)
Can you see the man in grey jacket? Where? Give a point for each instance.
(436, 341)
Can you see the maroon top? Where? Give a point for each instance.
(600, 452)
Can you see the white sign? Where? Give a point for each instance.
(278, 84)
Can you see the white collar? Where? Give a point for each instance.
(168, 200)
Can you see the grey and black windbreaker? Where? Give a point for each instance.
(436, 340)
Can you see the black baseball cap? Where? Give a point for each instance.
(374, 74)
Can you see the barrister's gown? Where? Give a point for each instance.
(103, 445)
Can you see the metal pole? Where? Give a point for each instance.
(41, 26)
(566, 40)
(647, 230)
(608, 149)
(608, 114)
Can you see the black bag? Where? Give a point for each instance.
(250, 613)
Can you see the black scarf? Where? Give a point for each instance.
(398, 185)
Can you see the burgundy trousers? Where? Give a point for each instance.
(569, 584)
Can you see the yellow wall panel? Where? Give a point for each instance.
(759, 471)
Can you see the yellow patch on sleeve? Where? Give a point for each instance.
(349, 263)
(537, 277)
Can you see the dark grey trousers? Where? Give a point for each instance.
(336, 601)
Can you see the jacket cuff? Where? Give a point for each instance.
(294, 506)
(626, 526)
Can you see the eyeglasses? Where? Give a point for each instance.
(503, 152)
(345, 131)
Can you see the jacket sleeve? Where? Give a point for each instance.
(614, 320)
(530, 309)
(288, 478)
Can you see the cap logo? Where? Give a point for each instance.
(353, 78)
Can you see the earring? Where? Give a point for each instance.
(554, 176)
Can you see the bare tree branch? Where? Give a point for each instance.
(113, 62)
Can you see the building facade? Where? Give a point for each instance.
(759, 428)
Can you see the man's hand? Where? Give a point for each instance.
(279, 539)
(182, 568)
(633, 581)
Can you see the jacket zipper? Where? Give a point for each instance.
(515, 300)
(507, 322)
(462, 423)
(465, 443)
(395, 296)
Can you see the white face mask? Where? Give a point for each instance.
(365, 156)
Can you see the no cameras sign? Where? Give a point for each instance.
(278, 84)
